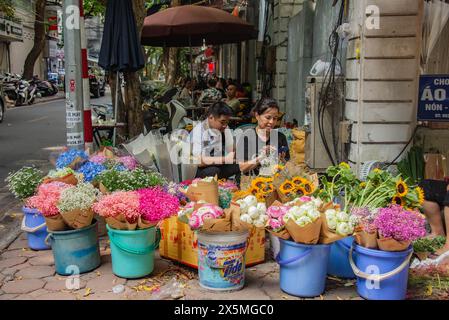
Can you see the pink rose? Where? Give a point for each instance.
(305, 199)
(207, 216)
(274, 224)
(194, 221)
(277, 212)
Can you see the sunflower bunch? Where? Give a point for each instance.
(297, 187)
(261, 187)
(407, 196)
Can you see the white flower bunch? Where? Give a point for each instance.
(303, 215)
(81, 196)
(340, 222)
(253, 212)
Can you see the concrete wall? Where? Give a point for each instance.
(284, 10)
(381, 85)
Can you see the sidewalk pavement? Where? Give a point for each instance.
(60, 95)
(27, 274)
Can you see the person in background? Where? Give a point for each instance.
(241, 93)
(436, 198)
(221, 85)
(211, 93)
(256, 144)
(186, 91)
(213, 144)
(231, 99)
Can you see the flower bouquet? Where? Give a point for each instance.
(65, 175)
(90, 170)
(72, 158)
(204, 189)
(115, 180)
(75, 205)
(365, 231)
(120, 209)
(252, 213)
(275, 223)
(336, 225)
(46, 201)
(208, 217)
(303, 222)
(397, 228)
(155, 205)
(24, 182)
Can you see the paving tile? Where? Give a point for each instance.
(18, 244)
(23, 286)
(19, 253)
(15, 269)
(10, 262)
(36, 272)
(104, 283)
(57, 296)
(46, 259)
(8, 296)
(65, 284)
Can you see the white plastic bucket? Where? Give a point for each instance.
(221, 260)
(275, 246)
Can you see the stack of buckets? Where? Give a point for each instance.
(33, 224)
(381, 275)
(221, 260)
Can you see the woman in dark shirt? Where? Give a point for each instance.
(255, 144)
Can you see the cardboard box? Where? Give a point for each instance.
(179, 243)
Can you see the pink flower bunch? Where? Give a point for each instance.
(129, 162)
(228, 185)
(47, 198)
(399, 224)
(305, 199)
(99, 159)
(275, 215)
(365, 217)
(207, 211)
(120, 202)
(156, 204)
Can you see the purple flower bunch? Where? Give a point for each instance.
(365, 218)
(402, 225)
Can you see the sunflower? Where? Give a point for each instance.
(258, 183)
(345, 165)
(420, 193)
(253, 190)
(308, 188)
(377, 170)
(401, 188)
(297, 181)
(286, 187)
(260, 197)
(363, 185)
(269, 188)
(301, 191)
(398, 201)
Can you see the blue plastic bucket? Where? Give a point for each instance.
(303, 268)
(381, 275)
(339, 259)
(33, 224)
(132, 252)
(221, 260)
(75, 251)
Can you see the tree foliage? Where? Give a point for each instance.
(7, 7)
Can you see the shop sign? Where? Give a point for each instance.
(433, 100)
(75, 139)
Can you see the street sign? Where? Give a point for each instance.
(433, 100)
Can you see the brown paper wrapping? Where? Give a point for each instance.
(309, 234)
(219, 225)
(272, 197)
(206, 191)
(281, 234)
(327, 235)
(144, 224)
(68, 179)
(365, 239)
(120, 223)
(78, 219)
(55, 223)
(392, 245)
(76, 163)
(103, 189)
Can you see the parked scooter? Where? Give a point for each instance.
(27, 93)
(45, 88)
(10, 84)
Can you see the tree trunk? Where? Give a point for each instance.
(39, 41)
(173, 61)
(134, 112)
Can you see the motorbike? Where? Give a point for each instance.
(27, 93)
(45, 88)
(10, 84)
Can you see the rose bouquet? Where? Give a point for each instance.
(275, 223)
(303, 222)
(75, 205)
(120, 209)
(155, 205)
(398, 227)
(46, 201)
(365, 230)
(205, 213)
(24, 182)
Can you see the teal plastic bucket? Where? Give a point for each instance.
(132, 251)
(381, 275)
(221, 260)
(33, 224)
(303, 268)
(339, 259)
(75, 251)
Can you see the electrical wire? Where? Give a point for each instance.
(402, 151)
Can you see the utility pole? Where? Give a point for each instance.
(73, 72)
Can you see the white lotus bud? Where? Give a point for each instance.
(259, 223)
(313, 214)
(342, 216)
(243, 206)
(253, 213)
(344, 229)
(261, 207)
(331, 213)
(332, 222)
(296, 212)
(302, 221)
(287, 217)
(317, 202)
(251, 201)
(246, 218)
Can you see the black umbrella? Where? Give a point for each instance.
(120, 46)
